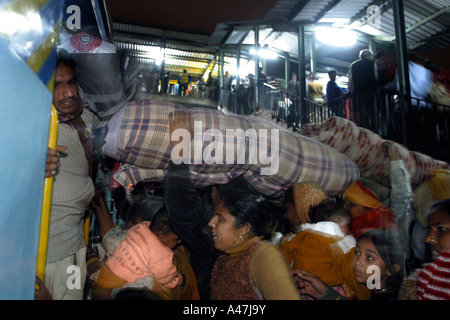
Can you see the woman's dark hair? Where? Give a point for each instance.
(391, 251)
(252, 209)
(237, 183)
(442, 205)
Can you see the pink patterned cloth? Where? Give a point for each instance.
(142, 254)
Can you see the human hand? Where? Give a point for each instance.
(93, 262)
(310, 284)
(180, 120)
(52, 162)
(98, 204)
(41, 292)
(408, 290)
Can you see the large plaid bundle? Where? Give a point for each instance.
(138, 138)
(368, 150)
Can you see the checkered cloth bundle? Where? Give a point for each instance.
(368, 150)
(138, 138)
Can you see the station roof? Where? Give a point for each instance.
(191, 33)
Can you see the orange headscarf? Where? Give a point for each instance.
(358, 193)
(379, 217)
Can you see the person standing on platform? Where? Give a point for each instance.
(183, 80)
(362, 80)
(334, 92)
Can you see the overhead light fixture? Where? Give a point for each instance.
(264, 53)
(336, 37)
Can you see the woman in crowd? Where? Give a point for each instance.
(250, 268)
(247, 267)
(432, 282)
(367, 210)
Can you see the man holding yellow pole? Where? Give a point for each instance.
(72, 190)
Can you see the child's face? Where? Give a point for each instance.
(367, 255)
(357, 210)
(438, 232)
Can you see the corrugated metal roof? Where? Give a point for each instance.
(427, 24)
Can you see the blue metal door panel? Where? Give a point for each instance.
(25, 106)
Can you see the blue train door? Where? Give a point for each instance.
(28, 37)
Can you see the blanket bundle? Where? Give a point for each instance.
(224, 146)
(368, 150)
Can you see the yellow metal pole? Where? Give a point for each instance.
(46, 202)
(87, 225)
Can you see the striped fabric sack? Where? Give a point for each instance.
(368, 150)
(270, 157)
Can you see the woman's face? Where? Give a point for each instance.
(225, 234)
(439, 232)
(356, 210)
(367, 255)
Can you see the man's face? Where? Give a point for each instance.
(66, 98)
(332, 76)
(368, 56)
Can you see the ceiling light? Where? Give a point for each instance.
(264, 53)
(335, 36)
(267, 53)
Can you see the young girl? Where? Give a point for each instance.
(377, 263)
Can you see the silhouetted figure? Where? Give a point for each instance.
(334, 92)
(363, 82)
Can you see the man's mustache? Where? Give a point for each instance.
(73, 100)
